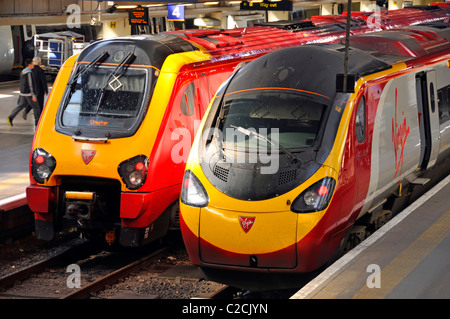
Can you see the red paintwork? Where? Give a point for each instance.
(39, 198)
(390, 19)
(440, 4)
(420, 43)
(142, 209)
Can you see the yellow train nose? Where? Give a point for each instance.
(243, 239)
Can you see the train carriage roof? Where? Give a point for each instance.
(369, 53)
(148, 49)
(308, 68)
(411, 42)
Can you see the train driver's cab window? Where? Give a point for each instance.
(360, 121)
(187, 103)
(285, 116)
(101, 101)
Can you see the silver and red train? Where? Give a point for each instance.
(287, 169)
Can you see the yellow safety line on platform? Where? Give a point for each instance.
(9, 185)
(400, 267)
(17, 179)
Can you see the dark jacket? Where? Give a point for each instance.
(26, 83)
(39, 81)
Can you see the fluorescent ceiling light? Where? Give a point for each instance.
(126, 7)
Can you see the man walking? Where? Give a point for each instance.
(40, 86)
(27, 94)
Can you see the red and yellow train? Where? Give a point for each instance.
(109, 152)
(287, 169)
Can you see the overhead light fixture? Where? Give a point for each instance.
(126, 7)
(206, 22)
(211, 3)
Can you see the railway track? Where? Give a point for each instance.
(86, 271)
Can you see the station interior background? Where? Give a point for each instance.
(111, 19)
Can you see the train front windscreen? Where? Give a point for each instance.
(110, 88)
(106, 98)
(294, 116)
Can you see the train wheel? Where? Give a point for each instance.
(355, 235)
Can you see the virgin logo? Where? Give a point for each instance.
(87, 155)
(399, 135)
(246, 223)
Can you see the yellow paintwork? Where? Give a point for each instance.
(217, 224)
(109, 155)
(79, 195)
(274, 219)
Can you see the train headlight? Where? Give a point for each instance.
(42, 165)
(315, 198)
(192, 191)
(133, 171)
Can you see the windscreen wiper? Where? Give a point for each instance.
(98, 59)
(249, 133)
(119, 68)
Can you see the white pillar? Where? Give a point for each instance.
(277, 15)
(368, 6)
(327, 9)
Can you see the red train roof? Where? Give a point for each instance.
(255, 41)
(389, 19)
(412, 42)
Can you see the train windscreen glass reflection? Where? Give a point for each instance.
(296, 117)
(104, 99)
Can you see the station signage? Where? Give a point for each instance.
(138, 15)
(284, 5)
(175, 12)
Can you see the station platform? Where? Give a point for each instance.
(15, 143)
(408, 258)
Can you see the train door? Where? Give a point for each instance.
(362, 158)
(426, 93)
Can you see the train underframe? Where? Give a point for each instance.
(102, 211)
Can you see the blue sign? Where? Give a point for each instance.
(175, 12)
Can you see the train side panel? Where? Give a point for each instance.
(395, 133)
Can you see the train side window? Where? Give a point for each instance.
(29, 31)
(444, 104)
(433, 106)
(360, 121)
(188, 100)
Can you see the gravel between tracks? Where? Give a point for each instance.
(150, 282)
(28, 251)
